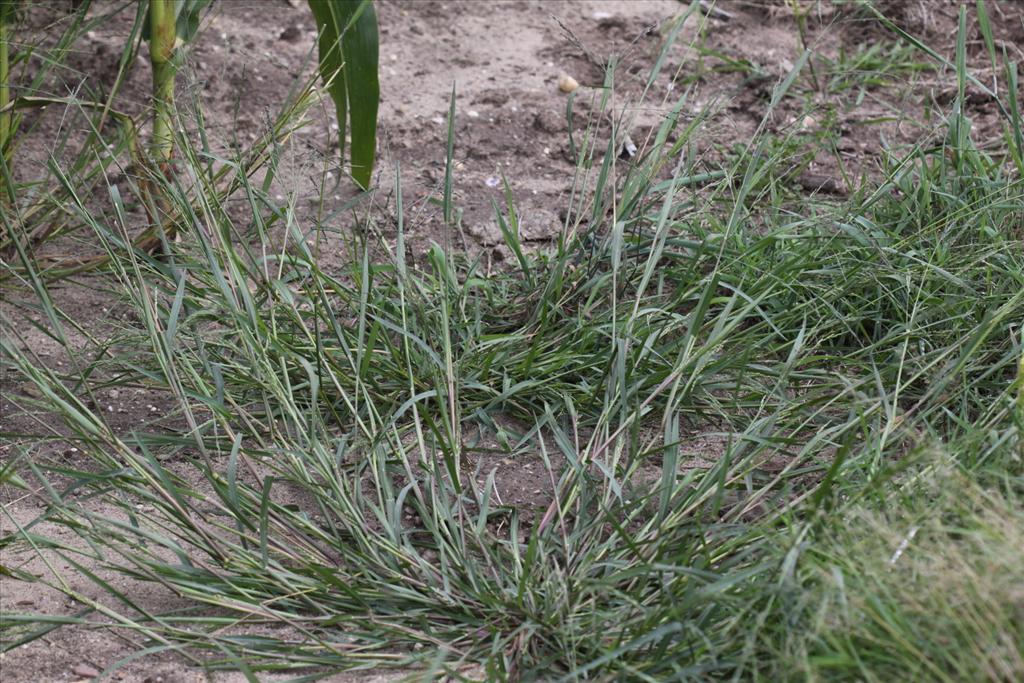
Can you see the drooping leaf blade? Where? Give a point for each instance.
(349, 56)
(329, 48)
(362, 54)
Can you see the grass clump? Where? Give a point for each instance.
(327, 466)
(924, 583)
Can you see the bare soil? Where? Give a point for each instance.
(503, 60)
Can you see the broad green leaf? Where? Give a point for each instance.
(349, 55)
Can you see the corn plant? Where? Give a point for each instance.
(348, 50)
(348, 46)
(348, 61)
(163, 33)
(6, 17)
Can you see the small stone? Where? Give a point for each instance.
(567, 83)
(501, 254)
(85, 671)
(548, 121)
(628, 149)
(487, 233)
(113, 393)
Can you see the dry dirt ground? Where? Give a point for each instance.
(504, 60)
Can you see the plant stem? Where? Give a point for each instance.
(5, 72)
(161, 51)
(1020, 387)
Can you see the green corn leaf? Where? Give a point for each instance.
(349, 54)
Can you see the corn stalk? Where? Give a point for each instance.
(162, 37)
(6, 113)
